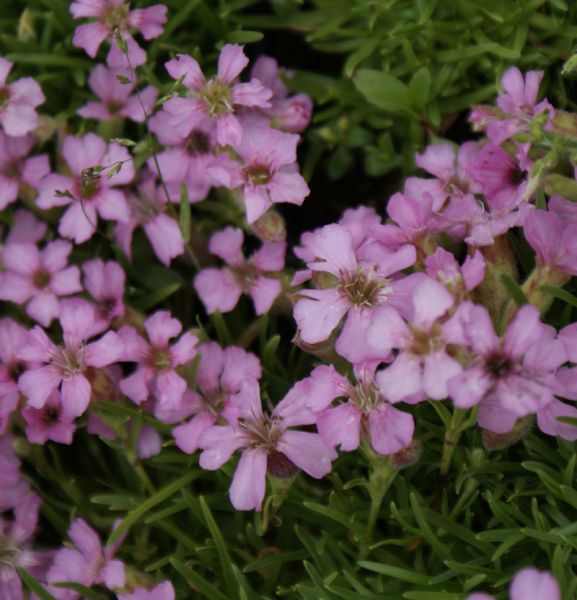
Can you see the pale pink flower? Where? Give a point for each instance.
(64, 367)
(268, 172)
(528, 584)
(87, 563)
(424, 364)
(18, 102)
(115, 98)
(38, 278)
(105, 281)
(17, 169)
(268, 444)
(458, 279)
(157, 360)
(220, 289)
(163, 591)
(220, 375)
(115, 16)
(352, 293)
(217, 99)
(148, 210)
(51, 422)
(26, 228)
(363, 412)
(91, 190)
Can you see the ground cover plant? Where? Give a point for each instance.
(208, 389)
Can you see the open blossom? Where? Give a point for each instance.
(218, 99)
(115, 17)
(220, 289)
(17, 168)
(268, 444)
(50, 422)
(268, 172)
(38, 278)
(65, 366)
(91, 189)
(220, 375)
(352, 294)
(458, 279)
(87, 563)
(18, 102)
(512, 376)
(104, 281)
(115, 98)
(528, 584)
(15, 541)
(163, 591)
(363, 411)
(424, 364)
(157, 360)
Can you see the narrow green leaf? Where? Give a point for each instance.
(383, 90)
(560, 293)
(184, 219)
(428, 595)
(419, 88)
(275, 559)
(514, 290)
(224, 556)
(426, 530)
(51, 60)
(244, 37)
(359, 55)
(33, 585)
(150, 300)
(137, 513)
(199, 583)
(395, 572)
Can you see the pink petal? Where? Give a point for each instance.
(85, 539)
(402, 379)
(113, 574)
(107, 350)
(469, 387)
(21, 258)
(548, 423)
(439, 368)
(79, 222)
(76, 394)
(43, 307)
(270, 257)
(228, 130)
(161, 327)
(264, 291)
(219, 444)
(390, 429)
(38, 384)
(231, 62)
(89, 37)
(185, 66)
(319, 313)
(170, 388)
(525, 329)
(249, 480)
(83, 152)
(387, 331)
(165, 236)
(431, 301)
(187, 435)
(218, 289)
(136, 385)
(112, 206)
(307, 451)
(227, 244)
(531, 584)
(340, 426)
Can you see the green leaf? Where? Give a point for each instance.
(560, 293)
(150, 300)
(428, 595)
(395, 572)
(426, 530)
(275, 559)
(33, 585)
(383, 90)
(514, 290)
(419, 88)
(224, 556)
(49, 60)
(184, 219)
(244, 37)
(359, 55)
(137, 513)
(198, 582)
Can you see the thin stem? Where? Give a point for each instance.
(452, 436)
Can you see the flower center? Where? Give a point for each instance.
(366, 395)
(144, 206)
(160, 359)
(217, 98)
(9, 552)
(280, 466)
(50, 415)
(68, 360)
(517, 176)
(246, 274)
(361, 287)
(4, 96)
(89, 182)
(257, 174)
(41, 279)
(427, 342)
(264, 432)
(498, 365)
(197, 143)
(15, 370)
(116, 17)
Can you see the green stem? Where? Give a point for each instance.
(452, 436)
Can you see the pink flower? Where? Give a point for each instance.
(511, 376)
(459, 280)
(64, 367)
(424, 364)
(352, 293)
(148, 210)
(13, 488)
(268, 173)
(220, 376)
(363, 413)
(220, 289)
(15, 542)
(163, 591)
(217, 99)
(17, 169)
(104, 281)
(115, 98)
(157, 361)
(88, 563)
(268, 444)
(114, 16)
(18, 101)
(51, 422)
(38, 277)
(528, 584)
(91, 189)
(26, 228)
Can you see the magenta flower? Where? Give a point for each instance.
(511, 376)
(217, 99)
(267, 444)
(528, 584)
(424, 364)
(51, 422)
(220, 376)
(353, 291)
(88, 563)
(163, 591)
(115, 98)
(114, 16)
(148, 210)
(157, 361)
(104, 281)
(15, 541)
(91, 189)
(64, 367)
(268, 173)
(16, 169)
(364, 412)
(38, 278)
(18, 102)
(220, 289)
